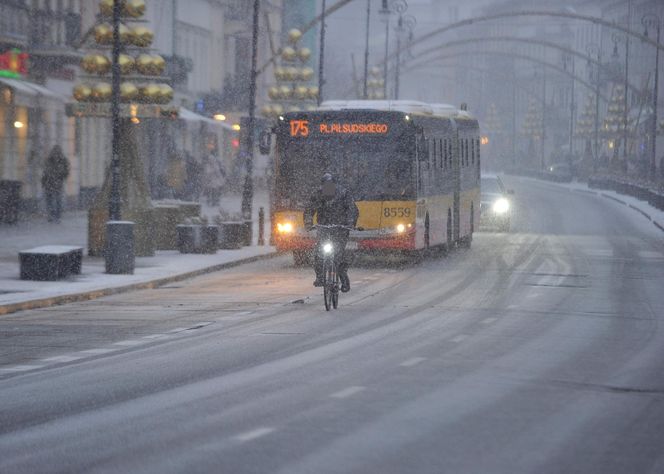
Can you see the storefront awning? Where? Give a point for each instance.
(189, 116)
(31, 89)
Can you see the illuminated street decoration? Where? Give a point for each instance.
(13, 64)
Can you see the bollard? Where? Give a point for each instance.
(261, 226)
(119, 250)
(248, 232)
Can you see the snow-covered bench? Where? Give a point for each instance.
(50, 262)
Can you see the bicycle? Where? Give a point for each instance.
(331, 280)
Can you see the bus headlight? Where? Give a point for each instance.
(401, 228)
(285, 228)
(501, 206)
(327, 247)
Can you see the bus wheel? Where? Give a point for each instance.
(301, 258)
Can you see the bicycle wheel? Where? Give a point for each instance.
(335, 288)
(328, 284)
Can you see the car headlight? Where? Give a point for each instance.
(327, 247)
(501, 206)
(285, 228)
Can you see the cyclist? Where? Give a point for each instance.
(332, 205)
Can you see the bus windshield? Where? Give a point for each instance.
(371, 169)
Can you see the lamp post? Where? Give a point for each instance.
(594, 49)
(616, 39)
(385, 13)
(366, 51)
(321, 79)
(570, 59)
(651, 20)
(248, 190)
(543, 118)
(115, 200)
(404, 23)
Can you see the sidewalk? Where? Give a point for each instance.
(166, 266)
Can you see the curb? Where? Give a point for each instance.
(145, 285)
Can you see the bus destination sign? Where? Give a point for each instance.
(301, 128)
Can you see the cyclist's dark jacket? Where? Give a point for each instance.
(340, 210)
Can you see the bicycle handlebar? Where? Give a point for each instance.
(333, 226)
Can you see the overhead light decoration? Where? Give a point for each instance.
(18, 124)
(219, 117)
(142, 80)
(293, 91)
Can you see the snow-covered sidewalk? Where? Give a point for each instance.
(166, 266)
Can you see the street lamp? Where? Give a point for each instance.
(618, 38)
(594, 50)
(651, 20)
(404, 23)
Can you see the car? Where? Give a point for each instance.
(560, 172)
(495, 204)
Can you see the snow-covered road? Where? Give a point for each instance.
(535, 351)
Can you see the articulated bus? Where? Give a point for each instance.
(413, 169)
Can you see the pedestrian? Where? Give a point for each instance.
(56, 171)
(176, 175)
(194, 181)
(213, 180)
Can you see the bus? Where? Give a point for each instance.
(413, 169)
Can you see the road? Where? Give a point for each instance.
(535, 351)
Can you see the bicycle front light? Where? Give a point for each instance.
(327, 247)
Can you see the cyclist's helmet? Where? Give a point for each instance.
(328, 178)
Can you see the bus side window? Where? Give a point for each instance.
(467, 153)
(449, 153)
(441, 152)
(432, 155)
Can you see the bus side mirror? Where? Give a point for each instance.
(265, 142)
